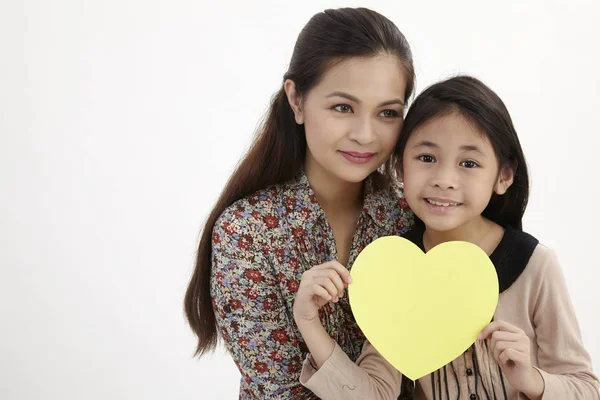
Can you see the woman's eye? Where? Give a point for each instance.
(389, 113)
(343, 108)
(426, 158)
(469, 164)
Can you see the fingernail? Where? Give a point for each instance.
(349, 279)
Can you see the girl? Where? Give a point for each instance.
(465, 178)
(308, 192)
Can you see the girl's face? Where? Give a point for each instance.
(450, 171)
(352, 118)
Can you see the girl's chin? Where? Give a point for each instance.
(436, 225)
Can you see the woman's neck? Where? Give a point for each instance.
(334, 194)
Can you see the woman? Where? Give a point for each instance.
(316, 187)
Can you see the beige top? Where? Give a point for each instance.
(537, 302)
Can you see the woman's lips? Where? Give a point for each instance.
(357, 158)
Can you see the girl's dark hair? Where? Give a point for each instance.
(278, 151)
(477, 103)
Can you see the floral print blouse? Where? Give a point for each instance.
(261, 246)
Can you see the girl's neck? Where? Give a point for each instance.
(484, 233)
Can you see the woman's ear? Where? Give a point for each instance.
(399, 173)
(505, 180)
(294, 99)
(397, 165)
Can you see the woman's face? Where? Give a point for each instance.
(353, 117)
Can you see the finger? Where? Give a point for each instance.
(497, 326)
(328, 285)
(334, 276)
(318, 276)
(341, 270)
(321, 292)
(506, 336)
(497, 349)
(308, 275)
(511, 355)
(333, 273)
(502, 346)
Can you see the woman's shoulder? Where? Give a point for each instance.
(253, 213)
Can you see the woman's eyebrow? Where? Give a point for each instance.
(356, 100)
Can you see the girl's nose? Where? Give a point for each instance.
(445, 178)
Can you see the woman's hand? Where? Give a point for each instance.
(510, 348)
(319, 285)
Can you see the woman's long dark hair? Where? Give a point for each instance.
(476, 102)
(279, 149)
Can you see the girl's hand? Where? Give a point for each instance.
(510, 348)
(319, 285)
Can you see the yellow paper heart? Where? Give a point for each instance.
(421, 311)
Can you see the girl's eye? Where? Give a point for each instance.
(389, 113)
(469, 164)
(343, 108)
(426, 158)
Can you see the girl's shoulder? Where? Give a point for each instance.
(544, 262)
(535, 253)
(539, 263)
(521, 258)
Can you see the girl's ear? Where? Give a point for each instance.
(294, 99)
(505, 180)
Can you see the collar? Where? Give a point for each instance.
(510, 257)
(303, 209)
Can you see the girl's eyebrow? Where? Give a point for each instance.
(356, 100)
(465, 147)
(426, 143)
(471, 147)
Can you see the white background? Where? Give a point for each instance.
(121, 120)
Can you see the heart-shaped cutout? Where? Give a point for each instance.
(421, 311)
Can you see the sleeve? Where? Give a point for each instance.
(372, 377)
(564, 363)
(251, 314)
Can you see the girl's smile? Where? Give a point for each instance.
(441, 206)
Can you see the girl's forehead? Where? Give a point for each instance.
(450, 129)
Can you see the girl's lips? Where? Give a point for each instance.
(357, 158)
(442, 202)
(442, 209)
